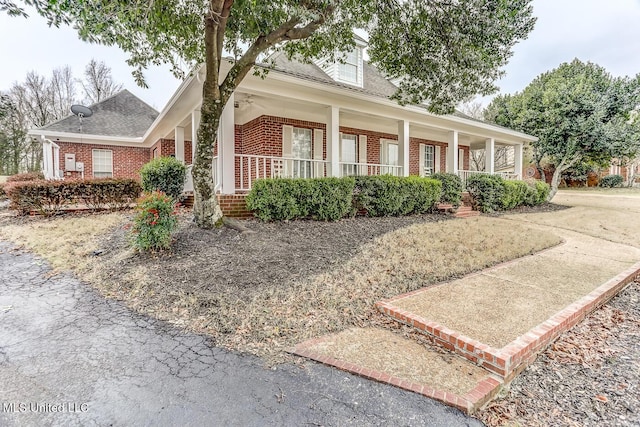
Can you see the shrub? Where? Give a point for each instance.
(610, 181)
(49, 197)
(487, 191)
(542, 189)
(28, 176)
(388, 195)
(155, 221)
(325, 199)
(165, 174)
(515, 194)
(451, 188)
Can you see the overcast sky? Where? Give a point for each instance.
(604, 32)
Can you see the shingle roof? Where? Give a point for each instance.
(374, 82)
(122, 114)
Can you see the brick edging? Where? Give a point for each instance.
(483, 392)
(511, 359)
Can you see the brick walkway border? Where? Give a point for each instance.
(511, 359)
(482, 393)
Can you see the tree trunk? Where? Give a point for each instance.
(555, 181)
(206, 209)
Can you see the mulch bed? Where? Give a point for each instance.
(277, 253)
(589, 377)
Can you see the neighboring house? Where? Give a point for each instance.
(629, 171)
(303, 120)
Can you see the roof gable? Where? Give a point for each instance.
(122, 114)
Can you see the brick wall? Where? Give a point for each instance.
(263, 136)
(167, 147)
(127, 161)
(234, 206)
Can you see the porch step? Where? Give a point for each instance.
(187, 200)
(465, 211)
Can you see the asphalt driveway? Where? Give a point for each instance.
(70, 357)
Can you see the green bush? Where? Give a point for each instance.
(50, 197)
(516, 193)
(324, 199)
(388, 195)
(493, 193)
(542, 189)
(155, 221)
(28, 176)
(165, 174)
(451, 188)
(487, 191)
(610, 181)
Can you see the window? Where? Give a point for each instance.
(429, 164)
(301, 149)
(156, 153)
(349, 155)
(348, 72)
(102, 163)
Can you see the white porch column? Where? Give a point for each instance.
(47, 159)
(333, 140)
(226, 148)
(517, 160)
(490, 155)
(195, 124)
(403, 146)
(56, 160)
(452, 152)
(179, 143)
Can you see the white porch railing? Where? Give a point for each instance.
(363, 169)
(465, 175)
(250, 167)
(188, 181)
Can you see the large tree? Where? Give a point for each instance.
(13, 141)
(573, 110)
(441, 51)
(98, 82)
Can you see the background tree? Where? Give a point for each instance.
(35, 102)
(98, 82)
(13, 141)
(571, 109)
(441, 52)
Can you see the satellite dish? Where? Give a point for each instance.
(81, 111)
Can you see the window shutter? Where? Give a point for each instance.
(421, 161)
(318, 167)
(318, 136)
(460, 159)
(340, 148)
(287, 141)
(436, 162)
(362, 149)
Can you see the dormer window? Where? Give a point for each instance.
(346, 67)
(349, 71)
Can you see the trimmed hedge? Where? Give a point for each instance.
(329, 199)
(610, 181)
(451, 188)
(324, 199)
(50, 197)
(493, 193)
(388, 195)
(28, 176)
(165, 174)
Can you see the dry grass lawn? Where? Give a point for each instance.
(612, 214)
(66, 242)
(276, 316)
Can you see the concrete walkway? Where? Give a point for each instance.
(502, 317)
(62, 346)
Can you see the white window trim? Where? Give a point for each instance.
(429, 149)
(358, 66)
(384, 150)
(93, 162)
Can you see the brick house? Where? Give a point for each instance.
(325, 118)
